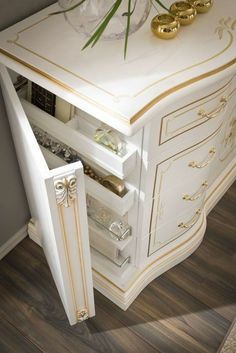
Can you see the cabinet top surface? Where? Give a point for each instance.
(100, 77)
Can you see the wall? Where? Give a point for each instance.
(14, 212)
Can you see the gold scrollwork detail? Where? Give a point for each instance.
(214, 113)
(227, 24)
(229, 139)
(66, 191)
(191, 223)
(205, 163)
(197, 194)
(82, 315)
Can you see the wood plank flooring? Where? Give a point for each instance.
(187, 310)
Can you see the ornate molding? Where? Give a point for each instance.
(66, 191)
(82, 315)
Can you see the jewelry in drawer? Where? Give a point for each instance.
(72, 134)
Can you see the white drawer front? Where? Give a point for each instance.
(188, 196)
(192, 164)
(210, 107)
(176, 227)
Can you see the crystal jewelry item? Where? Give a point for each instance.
(107, 137)
(118, 228)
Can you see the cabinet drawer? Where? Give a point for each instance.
(176, 227)
(186, 197)
(209, 108)
(101, 241)
(120, 205)
(191, 164)
(83, 144)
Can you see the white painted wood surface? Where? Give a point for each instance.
(123, 97)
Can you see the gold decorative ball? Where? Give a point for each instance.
(184, 11)
(201, 6)
(165, 26)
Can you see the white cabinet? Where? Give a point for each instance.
(175, 113)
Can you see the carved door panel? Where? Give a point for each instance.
(58, 207)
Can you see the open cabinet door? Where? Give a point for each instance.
(58, 207)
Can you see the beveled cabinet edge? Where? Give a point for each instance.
(176, 88)
(118, 116)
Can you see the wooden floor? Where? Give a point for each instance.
(188, 309)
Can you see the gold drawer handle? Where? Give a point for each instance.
(216, 111)
(204, 164)
(191, 222)
(197, 194)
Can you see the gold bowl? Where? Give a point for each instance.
(201, 5)
(165, 26)
(184, 11)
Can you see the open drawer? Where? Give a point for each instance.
(70, 134)
(58, 205)
(120, 205)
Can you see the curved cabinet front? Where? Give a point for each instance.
(180, 187)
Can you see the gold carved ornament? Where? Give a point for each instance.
(66, 191)
(82, 315)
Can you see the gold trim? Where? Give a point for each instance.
(178, 87)
(82, 314)
(116, 115)
(69, 270)
(81, 254)
(228, 130)
(154, 101)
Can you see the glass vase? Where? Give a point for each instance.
(86, 17)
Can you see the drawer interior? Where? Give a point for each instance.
(75, 128)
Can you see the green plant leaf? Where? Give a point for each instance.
(126, 13)
(162, 5)
(101, 28)
(129, 14)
